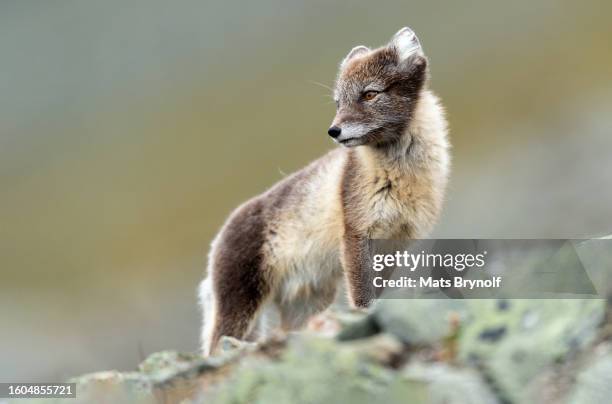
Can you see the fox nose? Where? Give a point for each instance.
(334, 131)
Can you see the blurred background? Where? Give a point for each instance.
(129, 130)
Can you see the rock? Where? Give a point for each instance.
(594, 382)
(361, 327)
(167, 362)
(419, 351)
(314, 370)
(230, 344)
(418, 322)
(451, 385)
(384, 349)
(514, 345)
(108, 387)
(166, 376)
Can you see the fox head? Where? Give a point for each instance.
(376, 91)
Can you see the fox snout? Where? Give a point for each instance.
(348, 133)
(334, 131)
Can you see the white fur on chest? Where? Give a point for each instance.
(404, 205)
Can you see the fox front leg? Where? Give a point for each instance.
(356, 261)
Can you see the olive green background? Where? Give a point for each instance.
(130, 129)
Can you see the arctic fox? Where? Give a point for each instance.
(290, 246)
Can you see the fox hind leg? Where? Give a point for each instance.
(237, 284)
(234, 314)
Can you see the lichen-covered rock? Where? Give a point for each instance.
(314, 370)
(110, 387)
(166, 376)
(418, 322)
(514, 341)
(115, 387)
(231, 344)
(450, 385)
(594, 382)
(414, 351)
(164, 363)
(510, 341)
(359, 327)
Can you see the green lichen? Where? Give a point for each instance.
(314, 370)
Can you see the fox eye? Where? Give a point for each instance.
(370, 95)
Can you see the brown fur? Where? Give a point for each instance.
(239, 260)
(244, 267)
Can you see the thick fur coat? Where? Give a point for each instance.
(291, 246)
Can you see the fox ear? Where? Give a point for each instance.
(406, 44)
(357, 50)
